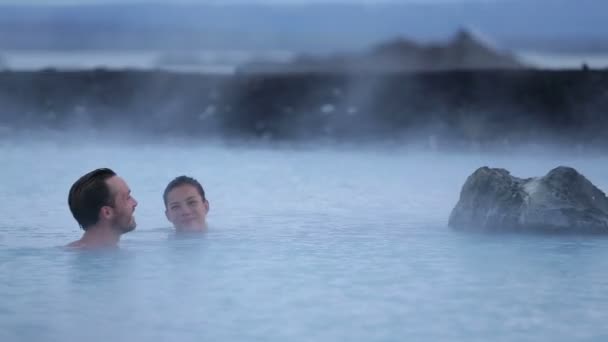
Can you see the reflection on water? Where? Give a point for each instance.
(564, 61)
(318, 244)
(222, 62)
(217, 62)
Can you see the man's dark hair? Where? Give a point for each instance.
(183, 180)
(88, 195)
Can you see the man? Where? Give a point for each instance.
(102, 204)
(185, 205)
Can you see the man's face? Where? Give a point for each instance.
(186, 209)
(124, 205)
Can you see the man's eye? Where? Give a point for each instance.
(192, 203)
(175, 207)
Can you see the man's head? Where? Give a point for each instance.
(185, 204)
(101, 197)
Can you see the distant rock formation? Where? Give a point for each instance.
(464, 51)
(484, 110)
(563, 201)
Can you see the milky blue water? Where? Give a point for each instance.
(305, 244)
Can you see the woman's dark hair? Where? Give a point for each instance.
(183, 180)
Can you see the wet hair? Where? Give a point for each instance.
(183, 180)
(88, 195)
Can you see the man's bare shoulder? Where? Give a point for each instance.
(90, 245)
(78, 244)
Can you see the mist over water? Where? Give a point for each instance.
(330, 188)
(444, 110)
(323, 243)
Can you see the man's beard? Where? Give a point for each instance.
(124, 224)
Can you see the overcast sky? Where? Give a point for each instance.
(52, 2)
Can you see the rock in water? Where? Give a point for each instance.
(563, 201)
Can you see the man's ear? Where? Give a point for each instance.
(167, 215)
(106, 212)
(206, 204)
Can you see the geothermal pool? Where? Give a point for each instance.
(313, 243)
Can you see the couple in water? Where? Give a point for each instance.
(102, 204)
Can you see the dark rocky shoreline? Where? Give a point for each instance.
(481, 107)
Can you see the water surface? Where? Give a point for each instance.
(305, 244)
